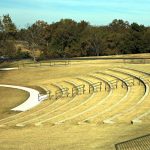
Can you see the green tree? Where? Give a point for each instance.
(9, 28)
(34, 35)
(137, 38)
(63, 37)
(8, 31)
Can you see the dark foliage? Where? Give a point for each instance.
(68, 38)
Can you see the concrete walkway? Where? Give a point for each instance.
(7, 69)
(34, 99)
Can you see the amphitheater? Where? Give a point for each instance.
(91, 104)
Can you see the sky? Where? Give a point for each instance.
(96, 12)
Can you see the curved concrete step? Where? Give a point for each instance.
(139, 113)
(97, 99)
(59, 103)
(110, 105)
(79, 101)
(56, 112)
(132, 108)
(22, 115)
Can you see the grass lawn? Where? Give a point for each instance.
(10, 98)
(66, 136)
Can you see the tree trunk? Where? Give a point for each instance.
(33, 55)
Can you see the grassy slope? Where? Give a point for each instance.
(10, 98)
(143, 55)
(66, 137)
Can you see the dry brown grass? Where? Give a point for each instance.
(67, 136)
(10, 98)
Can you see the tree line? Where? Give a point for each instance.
(68, 38)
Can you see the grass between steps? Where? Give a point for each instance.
(66, 136)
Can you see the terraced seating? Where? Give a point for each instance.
(77, 89)
(132, 102)
(72, 109)
(82, 112)
(137, 71)
(32, 117)
(94, 100)
(59, 110)
(123, 100)
(63, 101)
(94, 86)
(62, 92)
(142, 108)
(44, 105)
(117, 95)
(115, 83)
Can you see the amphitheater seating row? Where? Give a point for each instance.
(118, 95)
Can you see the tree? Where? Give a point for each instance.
(119, 25)
(92, 41)
(9, 28)
(64, 35)
(8, 31)
(136, 38)
(1, 25)
(34, 36)
(68, 38)
(146, 39)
